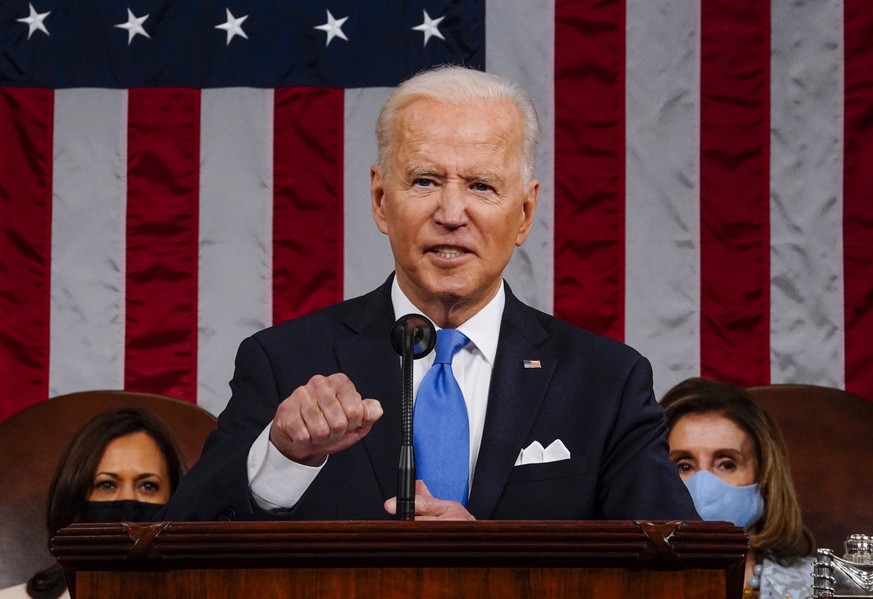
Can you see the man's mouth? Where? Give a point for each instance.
(447, 252)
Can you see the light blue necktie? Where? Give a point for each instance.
(441, 432)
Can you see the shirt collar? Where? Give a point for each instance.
(482, 329)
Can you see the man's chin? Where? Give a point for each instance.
(457, 296)
(451, 288)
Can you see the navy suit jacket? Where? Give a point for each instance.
(592, 393)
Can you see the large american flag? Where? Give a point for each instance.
(177, 175)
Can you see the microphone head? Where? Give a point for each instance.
(421, 330)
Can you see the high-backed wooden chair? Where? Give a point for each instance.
(829, 434)
(31, 444)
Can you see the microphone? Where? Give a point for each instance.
(413, 336)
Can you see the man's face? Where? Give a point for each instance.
(453, 203)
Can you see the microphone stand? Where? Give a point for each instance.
(413, 336)
(406, 468)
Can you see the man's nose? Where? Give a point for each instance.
(452, 208)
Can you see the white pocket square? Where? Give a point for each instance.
(535, 454)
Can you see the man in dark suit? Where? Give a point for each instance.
(563, 423)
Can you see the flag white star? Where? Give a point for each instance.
(134, 26)
(333, 27)
(233, 26)
(34, 21)
(430, 27)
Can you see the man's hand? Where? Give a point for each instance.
(322, 417)
(428, 507)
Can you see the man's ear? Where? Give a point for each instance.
(377, 197)
(528, 209)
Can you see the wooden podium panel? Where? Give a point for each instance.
(531, 559)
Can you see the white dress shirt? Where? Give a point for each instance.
(277, 483)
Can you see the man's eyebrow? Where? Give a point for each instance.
(423, 170)
(482, 177)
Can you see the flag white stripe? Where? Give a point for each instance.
(521, 47)
(367, 255)
(88, 240)
(662, 287)
(806, 303)
(236, 203)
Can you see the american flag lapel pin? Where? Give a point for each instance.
(531, 363)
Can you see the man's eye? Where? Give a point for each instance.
(481, 187)
(423, 182)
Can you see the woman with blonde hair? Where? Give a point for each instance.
(733, 459)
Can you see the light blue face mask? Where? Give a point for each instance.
(718, 500)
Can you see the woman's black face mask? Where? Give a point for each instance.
(126, 510)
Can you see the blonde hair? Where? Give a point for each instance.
(780, 532)
(460, 85)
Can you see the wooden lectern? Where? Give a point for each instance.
(501, 559)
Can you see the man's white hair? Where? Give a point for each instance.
(460, 85)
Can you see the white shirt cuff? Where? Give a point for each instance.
(276, 483)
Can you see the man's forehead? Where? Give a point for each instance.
(428, 109)
(424, 131)
(466, 159)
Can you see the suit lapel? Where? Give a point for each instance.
(374, 367)
(514, 399)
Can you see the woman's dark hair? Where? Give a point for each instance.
(780, 531)
(74, 477)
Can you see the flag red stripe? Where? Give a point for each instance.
(308, 200)
(858, 197)
(162, 241)
(734, 190)
(26, 128)
(589, 164)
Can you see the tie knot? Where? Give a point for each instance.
(448, 342)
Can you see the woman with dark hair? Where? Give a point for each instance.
(733, 459)
(123, 465)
